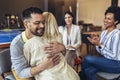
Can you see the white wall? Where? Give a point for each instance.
(118, 2)
(92, 11)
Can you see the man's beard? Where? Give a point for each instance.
(36, 33)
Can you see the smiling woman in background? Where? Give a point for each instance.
(71, 38)
(108, 45)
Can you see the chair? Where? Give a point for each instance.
(88, 44)
(78, 62)
(5, 64)
(109, 76)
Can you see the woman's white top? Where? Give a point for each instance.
(74, 36)
(34, 53)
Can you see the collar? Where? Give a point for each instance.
(24, 37)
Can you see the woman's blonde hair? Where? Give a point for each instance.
(51, 26)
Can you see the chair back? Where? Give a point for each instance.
(5, 64)
(5, 61)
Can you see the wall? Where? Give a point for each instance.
(92, 11)
(118, 2)
(59, 7)
(17, 6)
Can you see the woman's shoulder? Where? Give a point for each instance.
(117, 32)
(34, 40)
(61, 28)
(75, 25)
(103, 32)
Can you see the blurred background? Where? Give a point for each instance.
(85, 11)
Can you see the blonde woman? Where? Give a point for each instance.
(35, 53)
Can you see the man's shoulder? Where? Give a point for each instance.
(17, 39)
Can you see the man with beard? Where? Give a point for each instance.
(33, 21)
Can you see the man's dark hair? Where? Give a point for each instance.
(116, 11)
(27, 12)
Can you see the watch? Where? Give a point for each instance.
(100, 47)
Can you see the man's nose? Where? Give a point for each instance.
(41, 25)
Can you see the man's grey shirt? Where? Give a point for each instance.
(19, 63)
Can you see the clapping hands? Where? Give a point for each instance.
(94, 39)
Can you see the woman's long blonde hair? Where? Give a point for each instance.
(51, 27)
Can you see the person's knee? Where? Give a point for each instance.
(89, 59)
(86, 61)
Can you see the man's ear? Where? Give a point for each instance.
(26, 24)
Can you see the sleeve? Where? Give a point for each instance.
(60, 40)
(97, 48)
(60, 28)
(26, 52)
(78, 37)
(113, 51)
(19, 63)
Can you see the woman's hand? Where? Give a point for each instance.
(54, 47)
(50, 61)
(94, 39)
(70, 47)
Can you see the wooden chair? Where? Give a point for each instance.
(5, 64)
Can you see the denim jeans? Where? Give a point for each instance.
(93, 64)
